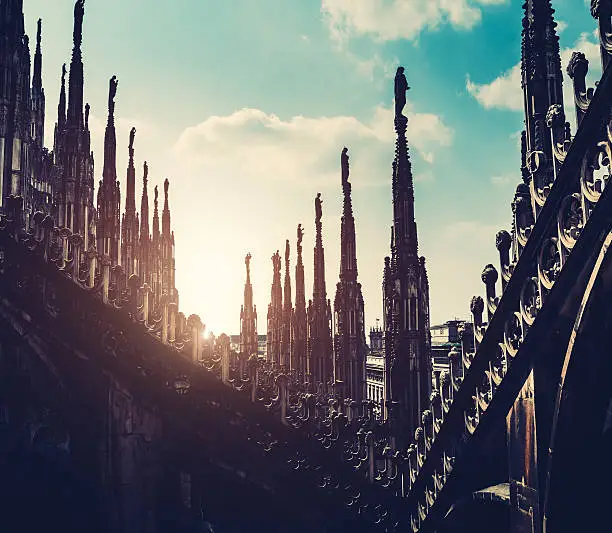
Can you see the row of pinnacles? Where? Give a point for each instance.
(421, 451)
(60, 183)
(299, 340)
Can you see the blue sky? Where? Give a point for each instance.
(245, 106)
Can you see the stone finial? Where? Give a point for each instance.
(503, 241)
(578, 65)
(477, 305)
(489, 275)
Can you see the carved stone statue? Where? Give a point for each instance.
(300, 235)
(318, 210)
(112, 92)
(166, 186)
(401, 86)
(79, 12)
(64, 74)
(156, 195)
(146, 172)
(132, 134)
(276, 261)
(344, 162)
(247, 262)
(87, 109)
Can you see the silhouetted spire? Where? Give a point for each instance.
(109, 174)
(37, 76)
(300, 292)
(248, 315)
(130, 193)
(75, 84)
(319, 291)
(275, 312)
(405, 232)
(166, 212)
(287, 288)
(61, 107)
(129, 226)
(349, 341)
(155, 216)
(287, 314)
(541, 76)
(300, 325)
(348, 256)
(144, 205)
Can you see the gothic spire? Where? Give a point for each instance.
(319, 291)
(155, 215)
(144, 205)
(349, 341)
(541, 76)
(130, 193)
(298, 348)
(61, 107)
(348, 257)
(300, 292)
(37, 76)
(166, 212)
(287, 316)
(110, 141)
(275, 310)
(75, 84)
(287, 288)
(405, 233)
(248, 315)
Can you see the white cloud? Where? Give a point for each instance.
(244, 181)
(386, 20)
(505, 91)
(561, 26)
(302, 149)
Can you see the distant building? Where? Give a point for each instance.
(443, 338)
(261, 344)
(375, 371)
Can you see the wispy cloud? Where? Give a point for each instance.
(386, 20)
(302, 149)
(504, 92)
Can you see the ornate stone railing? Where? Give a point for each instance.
(341, 450)
(560, 219)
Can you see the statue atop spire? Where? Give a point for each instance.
(132, 134)
(247, 262)
(300, 236)
(401, 86)
(38, 33)
(155, 199)
(79, 12)
(344, 162)
(112, 92)
(145, 177)
(318, 209)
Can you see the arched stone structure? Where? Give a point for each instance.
(579, 464)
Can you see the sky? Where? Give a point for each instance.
(245, 106)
